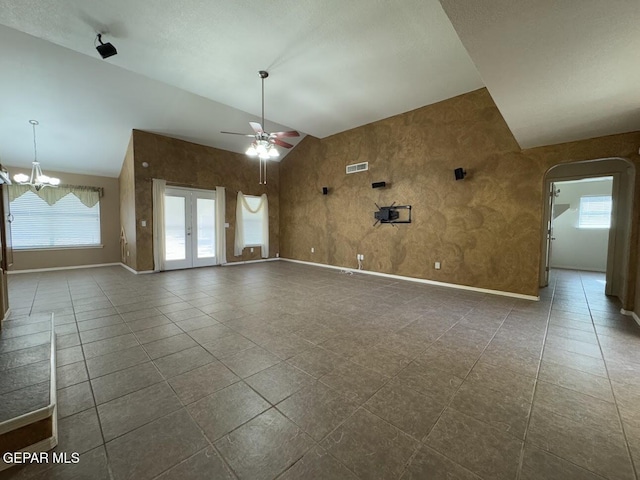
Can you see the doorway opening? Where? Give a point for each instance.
(190, 228)
(581, 224)
(590, 193)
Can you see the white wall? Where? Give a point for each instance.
(573, 247)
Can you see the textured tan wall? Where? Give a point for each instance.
(636, 308)
(485, 230)
(109, 229)
(128, 206)
(192, 165)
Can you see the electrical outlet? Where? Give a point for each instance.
(437, 265)
(251, 250)
(313, 250)
(362, 256)
(144, 223)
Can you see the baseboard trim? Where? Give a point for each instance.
(229, 264)
(632, 314)
(580, 269)
(420, 280)
(55, 269)
(135, 272)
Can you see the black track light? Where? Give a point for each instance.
(105, 50)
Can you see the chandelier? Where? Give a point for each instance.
(37, 180)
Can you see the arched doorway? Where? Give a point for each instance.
(623, 173)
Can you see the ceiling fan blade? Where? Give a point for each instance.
(243, 134)
(256, 127)
(291, 133)
(277, 141)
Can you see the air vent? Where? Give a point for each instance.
(358, 167)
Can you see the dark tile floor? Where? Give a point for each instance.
(25, 367)
(279, 370)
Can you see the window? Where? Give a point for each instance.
(252, 224)
(252, 220)
(60, 217)
(595, 212)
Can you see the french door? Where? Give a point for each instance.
(190, 232)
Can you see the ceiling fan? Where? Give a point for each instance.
(263, 145)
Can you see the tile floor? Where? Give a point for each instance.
(279, 370)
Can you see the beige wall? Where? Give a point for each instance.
(636, 308)
(485, 230)
(128, 207)
(109, 227)
(188, 164)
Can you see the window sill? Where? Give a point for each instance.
(40, 249)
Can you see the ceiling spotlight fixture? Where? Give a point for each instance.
(37, 179)
(105, 50)
(264, 144)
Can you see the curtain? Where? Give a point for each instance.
(265, 226)
(159, 187)
(89, 196)
(238, 244)
(263, 208)
(221, 233)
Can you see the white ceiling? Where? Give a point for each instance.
(333, 65)
(558, 71)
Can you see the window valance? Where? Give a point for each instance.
(89, 196)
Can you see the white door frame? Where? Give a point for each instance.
(191, 196)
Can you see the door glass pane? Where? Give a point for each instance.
(206, 211)
(175, 231)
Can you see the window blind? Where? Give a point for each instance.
(66, 223)
(252, 223)
(595, 212)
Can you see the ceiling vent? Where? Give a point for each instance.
(358, 167)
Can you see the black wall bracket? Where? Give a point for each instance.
(392, 214)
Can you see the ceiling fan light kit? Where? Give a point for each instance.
(264, 144)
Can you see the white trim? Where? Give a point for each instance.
(50, 410)
(632, 314)
(228, 264)
(580, 269)
(60, 247)
(54, 269)
(420, 280)
(127, 267)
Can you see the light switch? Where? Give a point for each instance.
(143, 223)
(226, 225)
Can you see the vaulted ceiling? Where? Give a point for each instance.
(557, 71)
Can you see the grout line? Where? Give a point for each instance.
(535, 382)
(615, 400)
